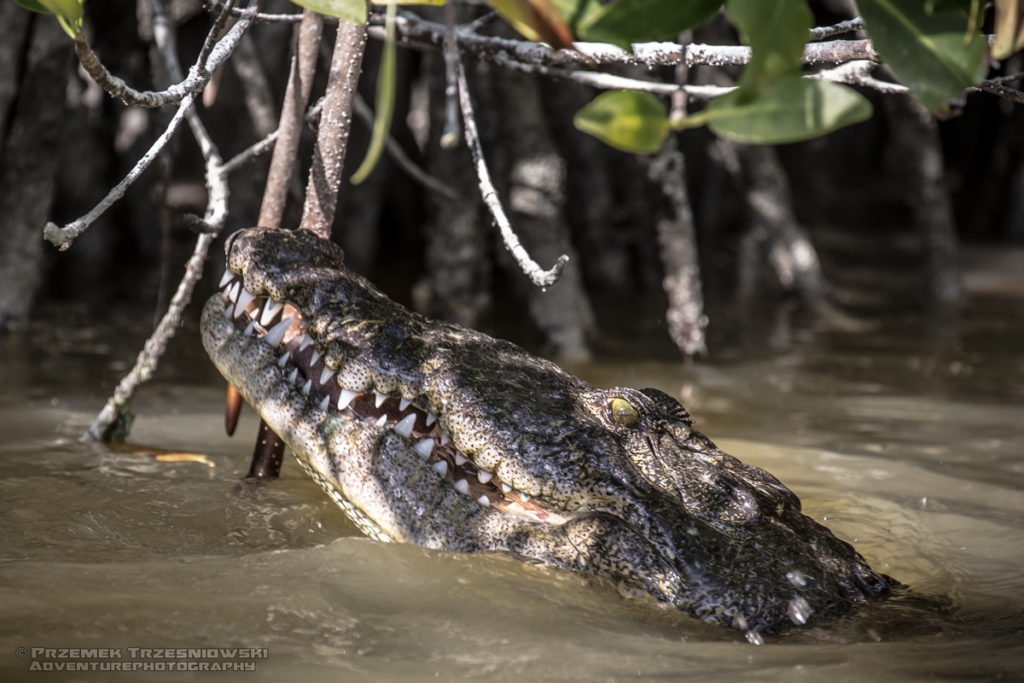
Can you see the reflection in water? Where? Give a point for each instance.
(907, 443)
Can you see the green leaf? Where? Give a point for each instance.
(68, 12)
(624, 22)
(33, 6)
(625, 119)
(926, 52)
(791, 110)
(385, 101)
(349, 10)
(776, 31)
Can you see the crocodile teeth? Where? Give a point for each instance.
(523, 496)
(345, 398)
(306, 387)
(326, 376)
(233, 292)
(229, 312)
(284, 359)
(483, 500)
(277, 332)
(403, 404)
(314, 358)
(484, 476)
(244, 299)
(304, 341)
(431, 418)
(270, 312)
(404, 427)
(460, 460)
(379, 399)
(249, 328)
(425, 447)
(441, 467)
(505, 488)
(324, 403)
(462, 486)
(227, 277)
(445, 440)
(293, 375)
(382, 420)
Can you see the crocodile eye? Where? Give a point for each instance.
(623, 413)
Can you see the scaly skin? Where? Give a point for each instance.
(611, 482)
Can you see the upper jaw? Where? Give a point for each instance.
(259, 320)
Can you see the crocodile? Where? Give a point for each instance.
(429, 433)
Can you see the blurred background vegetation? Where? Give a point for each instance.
(893, 207)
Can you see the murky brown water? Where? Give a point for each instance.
(908, 441)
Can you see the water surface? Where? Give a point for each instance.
(907, 441)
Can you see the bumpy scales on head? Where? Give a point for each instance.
(425, 432)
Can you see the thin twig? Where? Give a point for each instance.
(63, 237)
(312, 116)
(854, 73)
(1007, 78)
(249, 153)
(268, 142)
(1001, 90)
(603, 81)
(694, 93)
(262, 18)
(537, 275)
(211, 37)
(848, 26)
(859, 73)
(481, 22)
(199, 75)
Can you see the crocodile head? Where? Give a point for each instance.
(428, 433)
